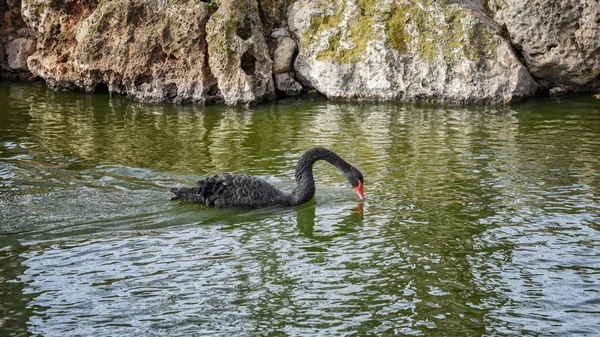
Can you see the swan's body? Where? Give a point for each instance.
(242, 190)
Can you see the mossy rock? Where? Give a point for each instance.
(426, 29)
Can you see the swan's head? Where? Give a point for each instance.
(355, 178)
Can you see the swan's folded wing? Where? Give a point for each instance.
(237, 190)
(243, 190)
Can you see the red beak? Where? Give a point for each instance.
(359, 190)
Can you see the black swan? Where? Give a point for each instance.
(242, 190)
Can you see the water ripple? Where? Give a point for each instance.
(477, 221)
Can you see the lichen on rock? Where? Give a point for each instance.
(409, 50)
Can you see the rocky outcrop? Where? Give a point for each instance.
(559, 40)
(149, 50)
(238, 53)
(393, 50)
(494, 51)
(153, 51)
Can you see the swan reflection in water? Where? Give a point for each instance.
(306, 222)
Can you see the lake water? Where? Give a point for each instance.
(477, 220)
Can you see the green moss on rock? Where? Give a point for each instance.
(429, 29)
(446, 33)
(481, 43)
(346, 44)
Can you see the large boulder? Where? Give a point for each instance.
(407, 50)
(239, 55)
(283, 55)
(559, 40)
(18, 51)
(149, 50)
(286, 84)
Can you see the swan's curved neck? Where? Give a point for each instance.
(304, 173)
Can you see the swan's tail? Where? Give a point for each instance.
(188, 194)
(199, 194)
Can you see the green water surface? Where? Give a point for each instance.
(478, 221)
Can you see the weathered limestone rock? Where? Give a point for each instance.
(559, 40)
(385, 50)
(239, 56)
(285, 83)
(150, 50)
(18, 51)
(455, 51)
(282, 57)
